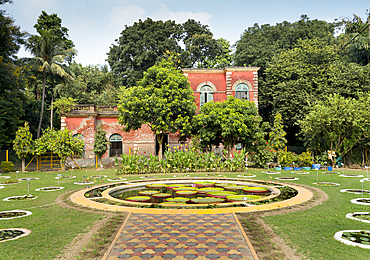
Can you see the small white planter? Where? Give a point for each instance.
(302, 172)
(65, 177)
(25, 179)
(323, 183)
(338, 236)
(26, 232)
(116, 180)
(287, 179)
(1, 187)
(83, 183)
(351, 176)
(14, 197)
(28, 213)
(5, 177)
(355, 191)
(351, 216)
(49, 188)
(358, 201)
(271, 172)
(9, 183)
(242, 176)
(98, 176)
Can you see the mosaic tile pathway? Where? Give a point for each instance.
(157, 236)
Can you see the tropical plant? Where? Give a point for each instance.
(23, 144)
(100, 142)
(7, 166)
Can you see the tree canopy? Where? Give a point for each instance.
(163, 100)
(144, 44)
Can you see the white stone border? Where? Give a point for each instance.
(53, 188)
(25, 179)
(302, 172)
(350, 216)
(338, 236)
(10, 183)
(283, 179)
(116, 180)
(2, 187)
(251, 176)
(356, 201)
(5, 177)
(351, 176)
(10, 198)
(83, 183)
(98, 176)
(25, 231)
(359, 191)
(66, 177)
(271, 172)
(28, 213)
(325, 182)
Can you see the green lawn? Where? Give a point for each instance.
(53, 227)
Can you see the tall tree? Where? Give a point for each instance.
(23, 144)
(12, 82)
(299, 77)
(145, 43)
(163, 100)
(100, 143)
(228, 122)
(49, 54)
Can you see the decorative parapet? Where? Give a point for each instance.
(93, 110)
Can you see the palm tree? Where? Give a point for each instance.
(49, 54)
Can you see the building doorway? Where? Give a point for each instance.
(115, 148)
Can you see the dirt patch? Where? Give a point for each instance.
(264, 240)
(95, 242)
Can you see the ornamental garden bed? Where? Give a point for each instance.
(355, 191)
(287, 178)
(26, 179)
(360, 238)
(21, 198)
(11, 214)
(49, 189)
(13, 233)
(361, 201)
(84, 183)
(65, 177)
(351, 175)
(9, 182)
(359, 216)
(324, 183)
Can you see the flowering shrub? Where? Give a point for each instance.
(262, 154)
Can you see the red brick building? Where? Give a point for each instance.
(207, 84)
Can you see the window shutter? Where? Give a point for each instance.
(210, 96)
(202, 98)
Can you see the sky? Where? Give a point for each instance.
(95, 24)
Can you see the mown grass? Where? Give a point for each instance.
(53, 227)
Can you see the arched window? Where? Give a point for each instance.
(206, 95)
(82, 138)
(242, 91)
(115, 147)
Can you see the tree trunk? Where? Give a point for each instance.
(160, 141)
(51, 113)
(42, 106)
(23, 164)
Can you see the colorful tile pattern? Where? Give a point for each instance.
(152, 236)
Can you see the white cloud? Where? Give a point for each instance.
(180, 17)
(126, 15)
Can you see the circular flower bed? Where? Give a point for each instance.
(361, 201)
(355, 191)
(83, 183)
(323, 183)
(10, 214)
(351, 175)
(25, 179)
(117, 179)
(287, 178)
(9, 182)
(271, 172)
(5, 177)
(360, 238)
(247, 176)
(331, 172)
(13, 233)
(65, 177)
(98, 176)
(302, 172)
(360, 216)
(49, 189)
(24, 197)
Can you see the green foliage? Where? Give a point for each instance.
(277, 135)
(305, 159)
(228, 122)
(59, 142)
(286, 159)
(143, 44)
(262, 153)
(301, 76)
(259, 44)
(163, 100)
(7, 166)
(23, 144)
(337, 124)
(100, 142)
(64, 104)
